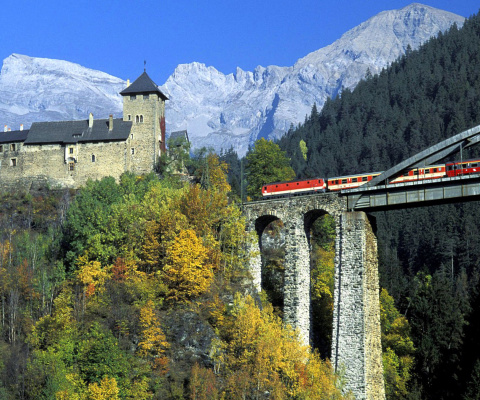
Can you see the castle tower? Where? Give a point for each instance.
(144, 105)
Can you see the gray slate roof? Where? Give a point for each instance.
(13, 136)
(68, 132)
(143, 84)
(180, 135)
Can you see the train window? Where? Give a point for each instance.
(473, 165)
(354, 179)
(364, 178)
(415, 172)
(344, 181)
(427, 171)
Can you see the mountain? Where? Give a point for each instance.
(221, 110)
(39, 89)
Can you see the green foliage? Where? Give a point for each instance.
(266, 163)
(397, 346)
(99, 355)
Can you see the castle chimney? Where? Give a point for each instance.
(128, 82)
(90, 120)
(5, 128)
(21, 127)
(110, 122)
(9, 129)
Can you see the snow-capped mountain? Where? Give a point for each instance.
(221, 110)
(40, 89)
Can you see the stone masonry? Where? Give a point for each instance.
(356, 340)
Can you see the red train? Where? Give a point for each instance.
(315, 185)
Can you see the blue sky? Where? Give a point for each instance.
(117, 36)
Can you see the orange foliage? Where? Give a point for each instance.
(119, 270)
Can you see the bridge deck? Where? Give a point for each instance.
(414, 194)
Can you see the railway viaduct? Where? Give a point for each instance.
(356, 338)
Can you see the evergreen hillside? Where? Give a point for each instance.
(429, 257)
(423, 98)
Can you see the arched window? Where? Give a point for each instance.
(137, 119)
(93, 157)
(141, 118)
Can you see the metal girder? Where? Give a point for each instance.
(430, 155)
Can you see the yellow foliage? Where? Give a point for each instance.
(217, 173)
(107, 390)
(153, 342)
(263, 356)
(187, 270)
(90, 274)
(323, 274)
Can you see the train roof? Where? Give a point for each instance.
(296, 180)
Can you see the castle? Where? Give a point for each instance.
(68, 153)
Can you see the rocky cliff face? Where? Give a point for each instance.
(220, 110)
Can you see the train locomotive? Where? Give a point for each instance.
(320, 185)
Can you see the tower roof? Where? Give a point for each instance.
(143, 84)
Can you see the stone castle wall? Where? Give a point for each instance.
(54, 163)
(72, 165)
(147, 134)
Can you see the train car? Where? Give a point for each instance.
(417, 174)
(304, 186)
(350, 181)
(465, 167)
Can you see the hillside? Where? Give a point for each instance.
(429, 257)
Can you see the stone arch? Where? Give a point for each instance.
(258, 223)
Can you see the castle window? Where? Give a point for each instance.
(132, 150)
(133, 97)
(71, 166)
(131, 136)
(12, 147)
(93, 157)
(70, 150)
(137, 119)
(129, 117)
(13, 162)
(141, 118)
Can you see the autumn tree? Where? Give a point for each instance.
(152, 343)
(262, 356)
(187, 270)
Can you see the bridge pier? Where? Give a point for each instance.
(296, 303)
(356, 339)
